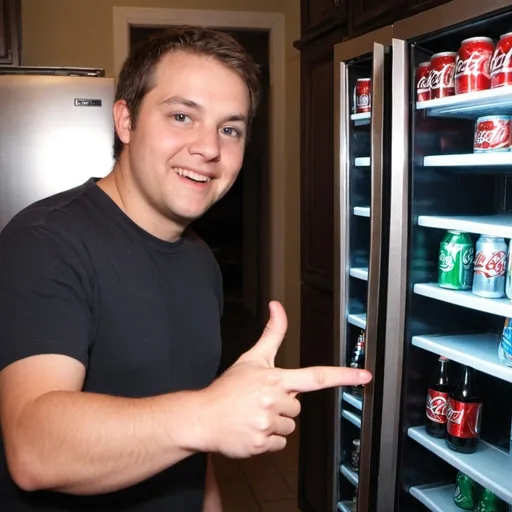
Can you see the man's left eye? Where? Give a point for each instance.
(232, 132)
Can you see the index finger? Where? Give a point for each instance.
(314, 378)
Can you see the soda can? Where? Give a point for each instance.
(508, 272)
(492, 133)
(455, 261)
(488, 502)
(466, 492)
(490, 266)
(363, 96)
(422, 82)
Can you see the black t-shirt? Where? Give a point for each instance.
(79, 278)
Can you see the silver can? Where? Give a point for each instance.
(490, 266)
(508, 274)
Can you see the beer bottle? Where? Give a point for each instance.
(489, 502)
(463, 413)
(437, 398)
(357, 359)
(466, 492)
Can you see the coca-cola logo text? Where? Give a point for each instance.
(444, 77)
(452, 415)
(363, 100)
(492, 266)
(493, 134)
(500, 62)
(477, 63)
(423, 83)
(436, 407)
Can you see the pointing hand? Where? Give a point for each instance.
(250, 408)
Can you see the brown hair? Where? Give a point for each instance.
(136, 77)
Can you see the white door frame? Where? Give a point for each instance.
(124, 17)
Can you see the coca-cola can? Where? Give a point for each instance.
(493, 133)
(472, 68)
(501, 66)
(490, 266)
(363, 96)
(422, 82)
(441, 78)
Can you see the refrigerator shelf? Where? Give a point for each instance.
(350, 475)
(471, 105)
(360, 273)
(345, 506)
(362, 161)
(436, 497)
(488, 466)
(361, 119)
(496, 225)
(353, 400)
(469, 160)
(362, 211)
(353, 418)
(357, 320)
(480, 351)
(501, 307)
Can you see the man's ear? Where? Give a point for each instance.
(122, 121)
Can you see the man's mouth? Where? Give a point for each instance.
(191, 175)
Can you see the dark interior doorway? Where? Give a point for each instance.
(237, 227)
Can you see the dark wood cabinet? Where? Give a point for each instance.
(317, 417)
(318, 16)
(10, 32)
(317, 163)
(367, 15)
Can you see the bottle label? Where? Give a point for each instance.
(436, 406)
(506, 339)
(463, 419)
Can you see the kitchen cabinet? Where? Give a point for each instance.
(317, 416)
(367, 15)
(317, 164)
(320, 16)
(10, 32)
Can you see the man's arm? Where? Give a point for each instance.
(212, 498)
(57, 437)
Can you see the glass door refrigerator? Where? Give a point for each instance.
(447, 397)
(362, 87)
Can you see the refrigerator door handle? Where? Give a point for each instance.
(341, 242)
(397, 279)
(374, 302)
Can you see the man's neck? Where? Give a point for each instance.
(119, 186)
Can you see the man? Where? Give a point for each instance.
(110, 308)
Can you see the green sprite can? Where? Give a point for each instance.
(466, 492)
(455, 266)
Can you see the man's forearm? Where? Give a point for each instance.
(212, 497)
(82, 443)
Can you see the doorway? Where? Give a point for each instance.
(237, 228)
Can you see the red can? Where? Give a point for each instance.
(472, 70)
(442, 75)
(363, 96)
(501, 65)
(492, 133)
(422, 82)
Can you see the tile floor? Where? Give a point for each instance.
(266, 483)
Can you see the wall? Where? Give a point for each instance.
(80, 33)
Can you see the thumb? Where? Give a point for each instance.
(273, 334)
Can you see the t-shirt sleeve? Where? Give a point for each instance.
(46, 296)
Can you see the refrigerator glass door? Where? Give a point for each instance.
(439, 184)
(55, 133)
(361, 237)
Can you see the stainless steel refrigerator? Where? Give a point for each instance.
(361, 239)
(403, 181)
(56, 131)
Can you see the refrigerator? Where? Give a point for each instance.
(362, 181)
(406, 174)
(56, 131)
